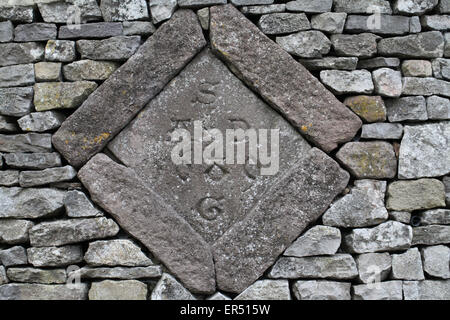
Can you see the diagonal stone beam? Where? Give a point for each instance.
(283, 82)
(116, 102)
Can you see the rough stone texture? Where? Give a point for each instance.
(116, 10)
(444, 6)
(407, 266)
(33, 160)
(55, 256)
(62, 12)
(362, 6)
(436, 216)
(266, 290)
(168, 288)
(34, 32)
(321, 290)
(3, 278)
(446, 181)
(389, 290)
(41, 121)
(425, 87)
(339, 266)
(363, 45)
(427, 290)
(14, 256)
(421, 45)
(250, 2)
(406, 109)
(141, 28)
(118, 290)
(118, 273)
(382, 131)
(436, 260)
(30, 203)
(78, 205)
(317, 6)
(89, 70)
(319, 240)
(425, 151)
(14, 231)
(279, 23)
(9, 178)
(47, 71)
(345, 82)
(17, 76)
(31, 275)
(61, 95)
(388, 82)
(46, 176)
(388, 25)
(414, 6)
(17, 14)
(330, 22)
(340, 63)
(203, 17)
(431, 235)
(264, 9)
(6, 31)
(416, 68)
(16, 102)
(400, 216)
(201, 3)
(219, 296)
(441, 68)
(8, 125)
(138, 80)
(19, 291)
(30, 142)
(91, 30)
(388, 236)
(447, 45)
(280, 80)
(162, 9)
(118, 48)
(115, 253)
(369, 108)
(60, 51)
(306, 44)
(378, 62)
(374, 267)
(72, 231)
(363, 207)
(21, 53)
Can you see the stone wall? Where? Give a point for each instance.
(386, 236)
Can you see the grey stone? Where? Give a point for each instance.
(63, 232)
(30, 203)
(14, 256)
(33, 160)
(55, 256)
(17, 13)
(374, 267)
(382, 131)
(441, 68)
(41, 121)
(407, 266)
(446, 181)
(25, 291)
(444, 6)
(199, 3)
(118, 273)
(47, 71)
(345, 82)
(447, 45)
(339, 63)
(14, 231)
(415, 195)
(339, 266)
(412, 7)
(3, 278)
(436, 22)
(8, 125)
(420, 45)
(331, 22)
(89, 70)
(362, 6)
(266, 290)
(436, 260)
(363, 45)
(387, 82)
(425, 87)
(317, 6)
(34, 32)
(250, 2)
(17, 76)
(369, 108)
(16, 102)
(279, 23)
(306, 44)
(414, 25)
(219, 296)
(319, 240)
(321, 290)
(406, 109)
(61, 95)
(264, 9)
(203, 17)
(427, 290)
(162, 9)
(116, 48)
(60, 50)
(91, 30)
(65, 11)
(153, 66)
(388, 236)
(78, 205)
(46, 176)
(118, 290)
(168, 288)
(378, 62)
(435, 216)
(116, 10)
(9, 178)
(280, 80)
(21, 53)
(363, 207)
(140, 28)
(416, 68)
(373, 160)
(30, 142)
(115, 253)
(400, 216)
(389, 290)
(386, 25)
(431, 235)
(31, 275)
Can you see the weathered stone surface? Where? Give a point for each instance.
(317, 6)
(388, 236)
(89, 70)
(63, 11)
(162, 9)
(436, 260)
(389, 290)
(168, 288)
(388, 82)
(140, 28)
(441, 68)
(78, 205)
(24, 291)
(72, 231)
(425, 87)
(363, 45)
(378, 62)
(41, 121)
(17, 13)
(250, 2)
(14, 256)
(91, 30)
(319, 240)
(321, 290)
(203, 17)
(339, 266)
(425, 151)
(416, 68)
(339, 63)
(30, 142)
(415, 195)
(60, 50)
(345, 82)
(427, 290)
(47, 71)
(366, 201)
(414, 25)
(280, 80)
(17, 76)
(382, 131)
(32, 160)
(279, 23)
(55, 256)
(331, 22)
(374, 159)
(21, 53)
(116, 10)
(407, 266)
(61, 95)
(444, 6)
(266, 290)
(406, 109)
(116, 253)
(446, 181)
(431, 235)
(46, 176)
(400, 216)
(264, 9)
(306, 44)
(369, 108)
(374, 267)
(138, 80)
(3, 278)
(421, 45)
(34, 32)
(447, 45)
(199, 3)
(16, 102)
(414, 6)
(9, 178)
(14, 231)
(118, 290)
(31, 275)
(8, 125)
(386, 25)
(362, 6)
(219, 296)
(436, 216)
(118, 273)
